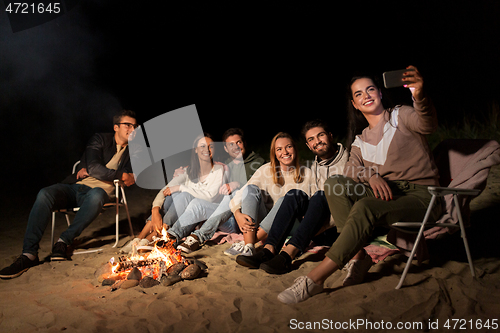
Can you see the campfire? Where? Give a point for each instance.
(149, 266)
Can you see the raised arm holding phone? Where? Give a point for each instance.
(385, 179)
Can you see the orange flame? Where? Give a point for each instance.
(166, 253)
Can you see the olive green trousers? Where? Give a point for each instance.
(357, 212)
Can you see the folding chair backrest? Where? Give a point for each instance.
(463, 168)
(459, 159)
(463, 163)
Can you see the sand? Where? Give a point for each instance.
(65, 296)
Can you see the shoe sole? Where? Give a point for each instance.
(241, 260)
(6, 277)
(58, 258)
(184, 249)
(271, 270)
(231, 254)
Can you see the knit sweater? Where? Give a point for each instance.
(271, 192)
(396, 148)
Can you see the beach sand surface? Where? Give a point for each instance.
(66, 296)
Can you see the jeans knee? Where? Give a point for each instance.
(97, 196)
(319, 195)
(44, 195)
(253, 190)
(195, 205)
(295, 196)
(295, 193)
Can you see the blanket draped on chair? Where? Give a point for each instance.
(462, 163)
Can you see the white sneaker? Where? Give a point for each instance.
(303, 288)
(356, 270)
(235, 249)
(143, 245)
(248, 250)
(127, 248)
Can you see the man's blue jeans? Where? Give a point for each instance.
(60, 196)
(311, 212)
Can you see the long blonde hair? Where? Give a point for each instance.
(275, 164)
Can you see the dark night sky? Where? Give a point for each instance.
(264, 67)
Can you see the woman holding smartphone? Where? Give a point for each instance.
(385, 179)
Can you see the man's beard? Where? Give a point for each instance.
(326, 150)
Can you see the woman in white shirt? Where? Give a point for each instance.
(201, 180)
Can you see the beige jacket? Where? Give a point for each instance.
(396, 148)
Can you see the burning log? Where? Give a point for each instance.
(163, 264)
(124, 265)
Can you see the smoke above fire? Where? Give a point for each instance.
(50, 98)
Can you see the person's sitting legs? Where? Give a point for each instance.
(57, 196)
(291, 207)
(296, 204)
(91, 202)
(197, 211)
(173, 206)
(254, 210)
(316, 215)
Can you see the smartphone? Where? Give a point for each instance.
(394, 79)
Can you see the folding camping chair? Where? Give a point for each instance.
(119, 202)
(464, 164)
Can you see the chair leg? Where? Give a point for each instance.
(117, 219)
(128, 215)
(417, 240)
(464, 236)
(53, 227)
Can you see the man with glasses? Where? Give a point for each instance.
(105, 159)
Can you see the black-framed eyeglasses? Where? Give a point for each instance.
(129, 125)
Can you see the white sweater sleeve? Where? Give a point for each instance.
(180, 179)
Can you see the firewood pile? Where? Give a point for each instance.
(163, 265)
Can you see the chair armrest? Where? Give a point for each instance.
(74, 167)
(118, 182)
(440, 191)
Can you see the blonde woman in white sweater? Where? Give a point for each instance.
(256, 204)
